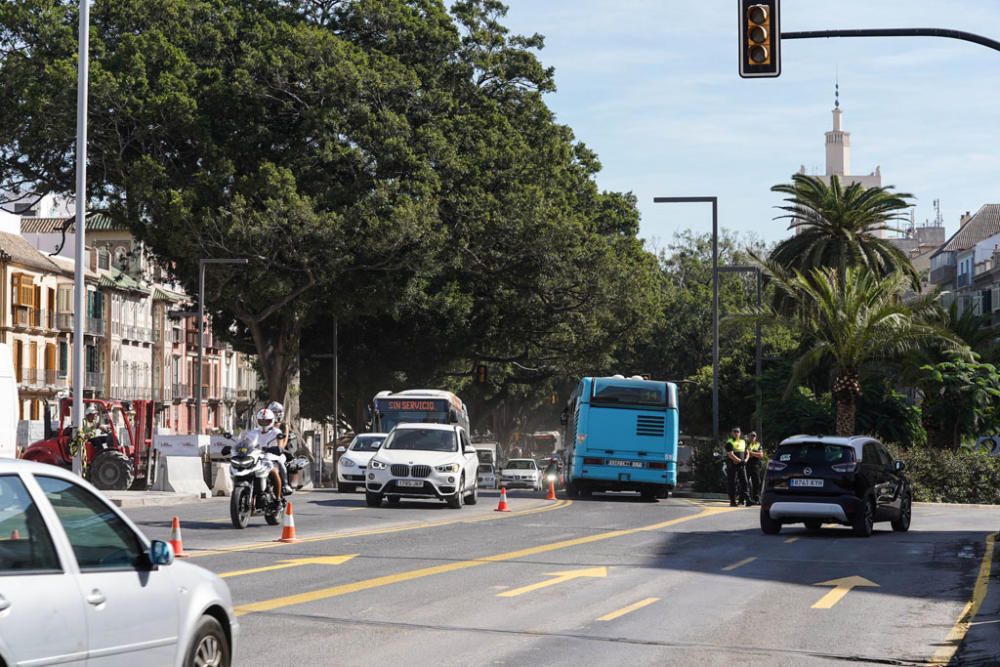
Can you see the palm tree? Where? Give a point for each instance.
(852, 321)
(836, 227)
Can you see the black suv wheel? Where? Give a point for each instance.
(864, 520)
(902, 524)
(768, 525)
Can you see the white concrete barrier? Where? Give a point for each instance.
(222, 483)
(181, 474)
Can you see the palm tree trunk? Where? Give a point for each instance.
(846, 412)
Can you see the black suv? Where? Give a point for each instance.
(815, 479)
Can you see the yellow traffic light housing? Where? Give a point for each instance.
(481, 374)
(760, 38)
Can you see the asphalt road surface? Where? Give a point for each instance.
(604, 581)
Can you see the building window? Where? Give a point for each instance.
(63, 358)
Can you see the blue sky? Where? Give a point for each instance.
(652, 87)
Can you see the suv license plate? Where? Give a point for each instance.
(624, 464)
(807, 482)
(409, 482)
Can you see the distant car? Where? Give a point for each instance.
(487, 476)
(851, 481)
(424, 461)
(521, 473)
(353, 461)
(80, 584)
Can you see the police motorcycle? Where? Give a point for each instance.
(257, 480)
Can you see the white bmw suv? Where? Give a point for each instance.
(424, 461)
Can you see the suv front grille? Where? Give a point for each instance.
(649, 426)
(421, 471)
(399, 470)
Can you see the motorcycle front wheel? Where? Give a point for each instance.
(239, 507)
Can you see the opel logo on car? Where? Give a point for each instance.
(807, 471)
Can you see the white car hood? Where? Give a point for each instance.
(411, 456)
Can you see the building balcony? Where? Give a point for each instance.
(943, 275)
(25, 317)
(180, 391)
(94, 380)
(41, 377)
(94, 325)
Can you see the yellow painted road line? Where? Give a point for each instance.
(344, 589)
(791, 539)
(558, 578)
(295, 562)
(255, 546)
(739, 563)
(629, 609)
(944, 655)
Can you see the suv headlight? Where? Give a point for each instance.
(378, 465)
(347, 463)
(448, 467)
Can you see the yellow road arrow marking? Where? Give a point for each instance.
(294, 562)
(841, 588)
(559, 578)
(629, 609)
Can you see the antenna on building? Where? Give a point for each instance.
(836, 89)
(938, 220)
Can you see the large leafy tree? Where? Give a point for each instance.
(838, 227)
(378, 161)
(852, 322)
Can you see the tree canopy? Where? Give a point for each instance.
(384, 162)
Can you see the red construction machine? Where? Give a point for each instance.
(119, 453)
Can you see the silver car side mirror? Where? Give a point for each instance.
(160, 553)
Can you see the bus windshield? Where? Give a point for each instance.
(639, 393)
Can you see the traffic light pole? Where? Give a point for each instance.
(896, 32)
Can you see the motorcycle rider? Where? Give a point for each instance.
(268, 438)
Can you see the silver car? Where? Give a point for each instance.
(80, 585)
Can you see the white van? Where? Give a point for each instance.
(8, 403)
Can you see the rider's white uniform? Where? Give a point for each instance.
(258, 438)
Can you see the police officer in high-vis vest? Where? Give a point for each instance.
(736, 468)
(755, 466)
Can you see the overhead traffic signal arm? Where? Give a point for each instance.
(760, 38)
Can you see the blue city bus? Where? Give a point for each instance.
(621, 435)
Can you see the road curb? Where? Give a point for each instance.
(132, 499)
(973, 505)
(699, 496)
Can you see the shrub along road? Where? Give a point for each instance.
(604, 581)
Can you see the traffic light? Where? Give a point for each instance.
(760, 38)
(481, 374)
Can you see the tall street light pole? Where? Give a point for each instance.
(758, 358)
(336, 401)
(79, 287)
(202, 263)
(714, 201)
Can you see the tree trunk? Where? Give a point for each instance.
(277, 355)
(846, 412)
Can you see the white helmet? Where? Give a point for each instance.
(265, 418)
(91, 410)
(278, 409)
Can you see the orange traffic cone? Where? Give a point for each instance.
(15, 534)
(288, 526)
(552, 491)
(502, 507)
(175, 538)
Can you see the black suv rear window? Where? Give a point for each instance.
(814, 453)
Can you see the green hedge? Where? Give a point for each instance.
(947, 476)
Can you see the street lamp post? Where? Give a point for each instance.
(79, 287)
(758, 359)
(714, 201)
(336, 401)
(202, 263)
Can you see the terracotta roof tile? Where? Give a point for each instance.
(984, 224)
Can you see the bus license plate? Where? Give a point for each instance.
(624, 464)
(807, 482)
(409, 482)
